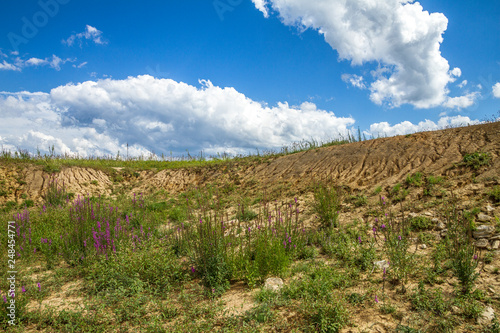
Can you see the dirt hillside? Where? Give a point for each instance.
(360, 165)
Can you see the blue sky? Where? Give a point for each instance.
(234, 75)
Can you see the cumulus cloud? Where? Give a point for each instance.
(398, 34)
(461, 102)
(161, 115)
(496, 90)
(406, 127)
(90, 33)
(262, 6)
(354, 80)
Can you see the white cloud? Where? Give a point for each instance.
(5, 66)
(406, 127)
(456, 72)
(461, 102)
(354, 80)
(36, 62)
(262, 6)
(55, 62)
(397, 34)
(496, 90)
(90, 33)
(161, 115)
(462, 84)
(80, 65)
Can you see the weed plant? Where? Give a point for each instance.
(476, 160)
(327, 200)
(396, 244)
(462, 250)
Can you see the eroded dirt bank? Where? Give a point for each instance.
(360, 165)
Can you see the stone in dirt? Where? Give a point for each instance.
(496, 244)
(482, 243)
(381, 264)
(483, 231)
(489, 209)
(483, 217)
(273, 284)
(486, 316)
(440, 226)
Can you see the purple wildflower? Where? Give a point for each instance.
(376, 299)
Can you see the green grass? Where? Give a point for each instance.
(173, 257)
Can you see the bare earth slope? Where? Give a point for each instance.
(360, 165)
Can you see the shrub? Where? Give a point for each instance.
(129, 272)
(420, 223)
(397, 244)
(476, 159)
(415, 179)
(327, 316)
(462, 250)
(494, 194)
(433, 180)
(359, 200)
(210, 258)
(398, 193)
(327, 204)
(56, 195)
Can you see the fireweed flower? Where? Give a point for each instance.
(376, 299)
(383, 226)
(4, 299)
(39, 287)
(359, 239)
(475, 257)
(193, 269)
(399, 237)
(23, 289)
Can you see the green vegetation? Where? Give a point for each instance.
(327, 204)
(420, 223)
(414, 180)
(476, 160)
(169, 262)
(494, 194)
